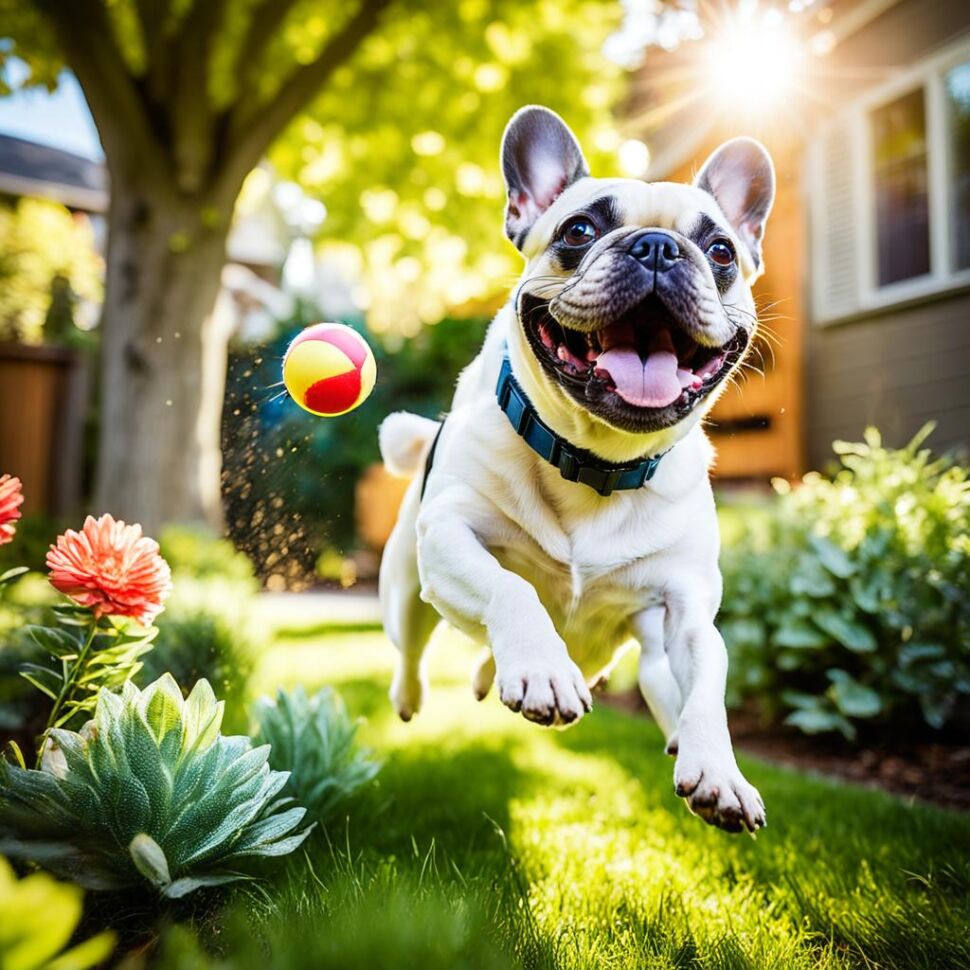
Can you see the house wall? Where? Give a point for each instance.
(901, 366)
(896, 370)
(756, 425)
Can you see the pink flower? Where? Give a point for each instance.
(11, 498)
(112, 569)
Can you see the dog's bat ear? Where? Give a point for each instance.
(540, 157)
(741, 177)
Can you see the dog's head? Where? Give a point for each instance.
(636, 299)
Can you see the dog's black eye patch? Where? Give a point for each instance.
(605, 213)
(705, 232)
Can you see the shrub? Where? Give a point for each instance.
(199, 553)
(285, 519)
(314, 739)
(149, 791)
(204, 633)
(38, 916)
(195, 645)
(854, 607)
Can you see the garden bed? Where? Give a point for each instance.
(937, 772)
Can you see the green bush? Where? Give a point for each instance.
(199, 553)
(204, 632)
(851, 601)
(288, 478)
(198, 645)
(314, 739)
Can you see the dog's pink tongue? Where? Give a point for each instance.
(650, 383)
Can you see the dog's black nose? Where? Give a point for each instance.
(656, 250)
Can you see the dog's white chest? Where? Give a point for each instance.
(589, 598)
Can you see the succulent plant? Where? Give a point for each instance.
(314, 739)
(38, 915)
(149, 790)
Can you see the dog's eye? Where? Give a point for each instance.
(721, 252)
(579, 231)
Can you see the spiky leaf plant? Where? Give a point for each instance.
(149, 791)
(38, 915)
(314, 739)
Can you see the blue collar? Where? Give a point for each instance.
(574, 464)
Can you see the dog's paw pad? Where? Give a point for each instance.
(721, 796)
(551, 693)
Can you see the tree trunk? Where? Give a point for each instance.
(163, 357)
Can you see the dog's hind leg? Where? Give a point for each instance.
(657, 684)
(408, 620)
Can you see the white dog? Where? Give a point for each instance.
(564, 505)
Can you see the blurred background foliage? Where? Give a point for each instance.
(413, 209)
(289, 484)
(50, 273)
(401, 144)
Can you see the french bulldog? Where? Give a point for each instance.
(564, 506)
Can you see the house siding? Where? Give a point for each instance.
(896, 370)
(896, 367)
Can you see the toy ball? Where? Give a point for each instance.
(329, 369)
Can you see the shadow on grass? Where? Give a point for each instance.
(871, 879)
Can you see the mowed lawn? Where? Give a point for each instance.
(491, 842)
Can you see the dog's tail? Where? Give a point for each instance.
(404, 440)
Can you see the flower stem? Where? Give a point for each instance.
(64, 695)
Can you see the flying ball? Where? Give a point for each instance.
(329, 369)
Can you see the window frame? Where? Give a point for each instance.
(943, 276)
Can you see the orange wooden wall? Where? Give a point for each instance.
(744, 450)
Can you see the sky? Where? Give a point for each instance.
(60, 119)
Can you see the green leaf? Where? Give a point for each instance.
(850, 633)
(820, 721)
(150, 860)
(936, 709)
(913, 653)
(834, 559)
(47, 681)
(91, 953)
(852, 698)
(182, 887)
(810, 579)
(798, 634)
(12, 574)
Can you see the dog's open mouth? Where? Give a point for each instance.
(645, 357)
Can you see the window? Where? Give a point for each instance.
(890, 191)
(957, 86)
(900, 189)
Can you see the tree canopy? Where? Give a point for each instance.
(400, 143)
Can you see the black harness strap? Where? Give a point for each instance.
(429, 461)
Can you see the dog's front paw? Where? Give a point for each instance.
(715, 789)
(546, 691)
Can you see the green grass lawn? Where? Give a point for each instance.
(490, 842)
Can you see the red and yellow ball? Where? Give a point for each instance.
(329, 369)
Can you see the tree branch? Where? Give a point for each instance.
(153, 16)
(191, 109)
(87, 41)
(263, 25)
(252, 127)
